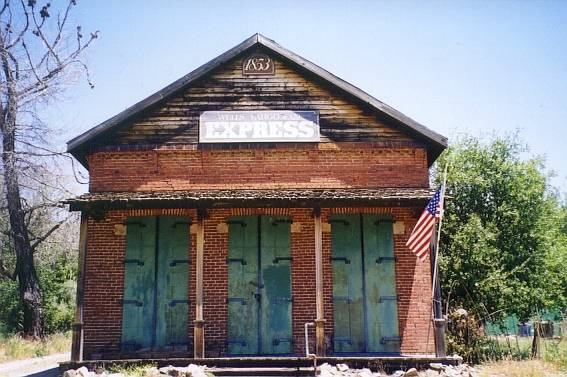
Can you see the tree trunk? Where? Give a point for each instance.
(30, 290)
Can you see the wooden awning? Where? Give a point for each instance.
(297, 198)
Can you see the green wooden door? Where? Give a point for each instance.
(364, 285)
(348, 303)
(243, 285)
(380, 285)
(275, 273)
(155, 305)
(172, 282)
(259, 285)
(139, 271)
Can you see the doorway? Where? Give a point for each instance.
(259, 285)
(156, 272)
(364, 285)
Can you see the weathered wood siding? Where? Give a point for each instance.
(176, 120)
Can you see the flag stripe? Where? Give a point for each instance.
(420, 239)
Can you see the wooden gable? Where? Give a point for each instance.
(176, 121)
(171, 116)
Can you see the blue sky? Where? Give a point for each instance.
(456, 67)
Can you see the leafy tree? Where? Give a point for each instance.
(501, 248)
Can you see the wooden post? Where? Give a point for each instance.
(320, 320)
(199, 328)
(77, 337)
(535, 342)
(438, 320)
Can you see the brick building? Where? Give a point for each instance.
(254, 195)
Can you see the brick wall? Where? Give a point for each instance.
(105, 272)
(321, 165)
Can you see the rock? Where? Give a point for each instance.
(196, 370)
(398, 373)
(365, 372)
(152, 372)
(175, 372)
(326, 370)
(432, 373)
(165, 370)
(412, 372)
(436, 366)
(342, 367)
(83, 372)
(70, 373)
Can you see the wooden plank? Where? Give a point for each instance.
(380, 285)
(348, 308)
(319, 298)
(77, 338)
(199, 336)
(275, 277)
(172, 282)
(243, 284)
(139, 280)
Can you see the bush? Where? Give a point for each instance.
(58, 282)
(466, 337)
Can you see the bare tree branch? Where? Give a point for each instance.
(47, 234)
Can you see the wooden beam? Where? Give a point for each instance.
(199, 330)
(320, 320)
(77, 337)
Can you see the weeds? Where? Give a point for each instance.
(15, 347)
(131, 369)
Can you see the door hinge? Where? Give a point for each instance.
(175, 262)
(132, 302)
(175, 302)
(278, 259)
(386, 259)
(387, 298)
(236, 260)
(337, 259)
(139, 262)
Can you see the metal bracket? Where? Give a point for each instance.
(277, 341)
(132, 302)
(139, 262)
(387, 298)
(175, 302)
(278, 259)
(380, 260)
(391, 339)
(175, 262)
(344, 259)
(236, 260)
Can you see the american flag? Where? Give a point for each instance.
(421, 236)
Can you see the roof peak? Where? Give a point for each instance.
(76, 145)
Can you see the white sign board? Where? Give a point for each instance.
(258, 126)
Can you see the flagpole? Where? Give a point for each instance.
(438, 320)
(442, 209)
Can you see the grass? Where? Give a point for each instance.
(15, 347)
(138, 369)
(551, 350)
(515, 368)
